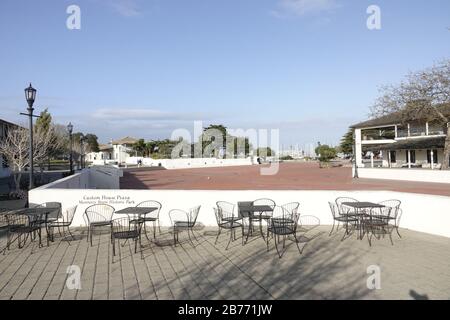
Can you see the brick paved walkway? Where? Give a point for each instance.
(291, 176)
(417, 266)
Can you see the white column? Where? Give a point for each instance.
(358, 148)
(432, 160)
(371, 159)
(426, 128)
(389, 158)
(409, 158)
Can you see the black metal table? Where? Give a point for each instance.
(359, 214)
(40, 215)
(139, 211)
(248, 210)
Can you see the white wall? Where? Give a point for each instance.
(423, 175)
(183, 163)
(426, 213)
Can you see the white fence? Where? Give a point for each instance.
(425, 213)
(183, 163)
(423, 175)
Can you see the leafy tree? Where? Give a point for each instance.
(150, 147)
(139, 147)
(44, 122)
(229, 146)
(325, 153)
(92, 142)
(265, 152)
(347, 143)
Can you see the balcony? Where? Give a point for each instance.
(419, 131)
(378, 134)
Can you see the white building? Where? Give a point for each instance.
(5, 126)
(117, 152)
(388, 142)
(105, 154)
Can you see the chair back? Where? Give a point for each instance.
(218, 215)
(383, 213)
(291, 207)
(342, 209)
(68, 215)
(393, 204)
(193, 214)
(265, 202)
(99, 213)
(226, 207)
(224, 214)
(284, 221)
(151, 204)
(334, 209)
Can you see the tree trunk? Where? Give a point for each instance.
(446, 159)
(17, 178)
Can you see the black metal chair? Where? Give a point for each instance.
(342, 209)
(98, 215)
(228, 220)
(377, 223)
(395, 213)
(345, 218)
(263, 215)
(182, 220)
(23, 227)
(126, 229)
(63, 223)
(283, 224)
(151, 217)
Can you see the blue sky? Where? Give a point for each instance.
(145, 67)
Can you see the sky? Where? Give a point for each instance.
(144, 68)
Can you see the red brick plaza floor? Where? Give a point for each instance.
(291, 176)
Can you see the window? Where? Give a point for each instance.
(413, 156)
(393, 156)
(435, 156)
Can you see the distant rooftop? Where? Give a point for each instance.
(126, 140)
(104, 147)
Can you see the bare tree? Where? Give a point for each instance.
(420, 96)
(15, 148)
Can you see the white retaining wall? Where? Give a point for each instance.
(101, 177)
(425, 213)
(183, 163)
(423, 175)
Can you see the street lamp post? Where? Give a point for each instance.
(82, 139)
(30, 96)
(70, 130)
